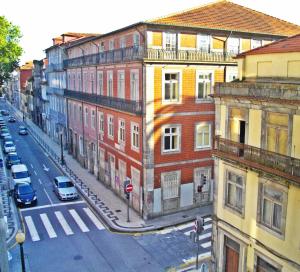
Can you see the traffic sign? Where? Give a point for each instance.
(129, 188)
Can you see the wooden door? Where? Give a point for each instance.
(232, 260)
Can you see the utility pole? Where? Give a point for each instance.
(61, 150)
(3, 247)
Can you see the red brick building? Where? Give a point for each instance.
(139, 100)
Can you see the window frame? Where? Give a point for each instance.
(204, 147)
(136, 73)
(171, 101)
(110, 76)
(165, 38)
(177, 193)
(93, 120)
(110, 126)
(204, 72)
(209, 40)
(135, 137)
(101, 122)
(121, 84)
(163, 135)
(120, 133)
(100, 83)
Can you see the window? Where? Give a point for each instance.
(170, 184)
(101, 47)
(233, 45)
(81, 145)
(100, 82)
(255, 43)
(264, 266)
(121, 84)
(92, 76)
(85, 82)
(202, 179)
(235, 190)
(80, 113)
(110, 83)
(134, 85)
(204, 83)
(170, 41)
(111, 45)
(203, 42)
(101, 122)
(122, 42)
(135, 141)
(272, 207)
(136, 40)
(79, 82)
(171, 87)
(110, 123)
(203, 135)
(171, 138)
(86, 116)
(121, 132)
(93, 119)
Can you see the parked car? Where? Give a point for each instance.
(2, 121)
(12, 158)
(9, 147)
(20, 174)
(7, 138)
(23, 130)
(24, 194)
(4, 112)
(11, 119)
(64, 188)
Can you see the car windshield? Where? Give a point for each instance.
(25, 189)
(19, 175)
(13, 158)
(21, 128)
(66, 184)
(9, 144)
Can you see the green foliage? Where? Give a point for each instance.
(10, 50)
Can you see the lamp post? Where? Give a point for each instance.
(61, 150)
(20, 238)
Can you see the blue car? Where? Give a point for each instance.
(24, 195)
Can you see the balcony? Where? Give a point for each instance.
(56, 91)
(263, 160)
(134, 107)
(150, 55)
(282, 90)
(53, 67)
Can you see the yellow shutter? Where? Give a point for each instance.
(282, 141)
(271, 139)
(157, 39)
(234, 130)
(188, 40)
(278, 119)
(219, 75)
(218, 42)
(246, 44)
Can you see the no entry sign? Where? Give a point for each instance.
(128, 188)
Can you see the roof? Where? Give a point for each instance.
(19, 167)
(286, 45)
(27, 66)
(225, 15)
(62, 179)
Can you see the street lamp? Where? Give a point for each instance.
(20, 238)
(61, 149)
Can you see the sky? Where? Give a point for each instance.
(41, 20)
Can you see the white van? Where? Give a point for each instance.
(20, 174)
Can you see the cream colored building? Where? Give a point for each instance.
(257, 162)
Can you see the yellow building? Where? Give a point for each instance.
(257, 162)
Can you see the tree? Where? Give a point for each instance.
(10, 50)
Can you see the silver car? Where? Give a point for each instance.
(64, 188)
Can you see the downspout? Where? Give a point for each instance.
(224, 48)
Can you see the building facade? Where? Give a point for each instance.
(257, 163)
(139, 101)
(57, 84)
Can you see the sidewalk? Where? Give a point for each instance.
(110, 208)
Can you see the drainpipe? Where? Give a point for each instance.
(224, 48)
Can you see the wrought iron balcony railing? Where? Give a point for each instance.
(149, 54)
(107, 101)
(271, 162)
(54, 67)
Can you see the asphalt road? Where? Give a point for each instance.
(66, 236)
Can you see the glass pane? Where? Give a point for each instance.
(167, 143)
(174, 90)
(271, 192)
(174, 142)
(167, 91)
(230, 194)
(282, 141)
(167, 130)
(277, 216)
(239, 198)
(167, 76)
(206, 139)
(266, 216)
(208, 88)
(200, 93)
(199, 140)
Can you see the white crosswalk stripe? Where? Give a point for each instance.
(205, 235)
(206, 245)
(94, 219)
(209, 226)
(63, 223)
(79, 221)
(32, 230)
(48, 226)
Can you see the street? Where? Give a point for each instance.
(67, 236)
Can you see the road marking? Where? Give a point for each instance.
(200, 256)
(45, 168)
(48, 225)
(31, 166)
(187, 233)
(94, 219)
(207, 219)
(63, 223)
(40, 181)
(204, 236)
(209, 226)
(48, 196)
(79, 221)
(35, 173)
(181, 227)
(52, 205)
(206, 245)
(32, 230)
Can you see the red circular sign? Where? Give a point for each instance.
(129, 188)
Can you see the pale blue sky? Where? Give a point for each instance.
(41, 20)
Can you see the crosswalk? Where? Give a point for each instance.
(188, 228)
(55, 223)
